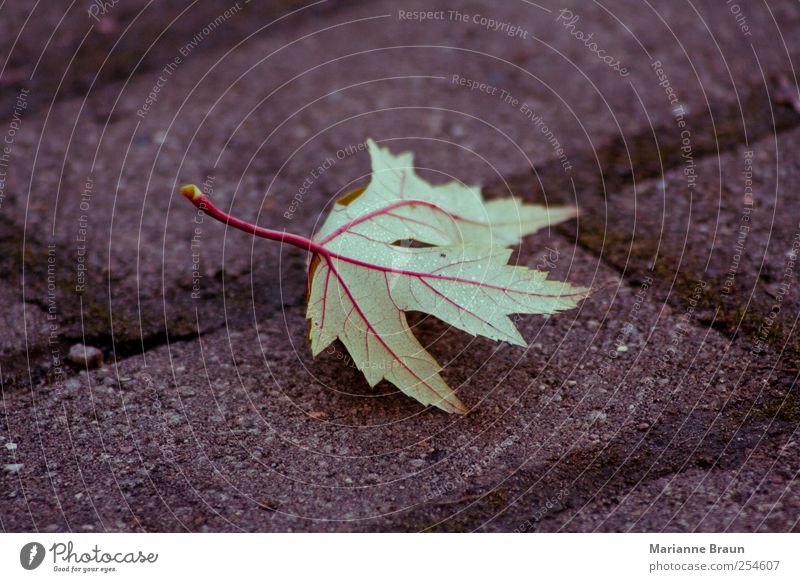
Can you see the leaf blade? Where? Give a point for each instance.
(451, 213)
(361, 282)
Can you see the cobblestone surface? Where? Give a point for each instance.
(668, 401)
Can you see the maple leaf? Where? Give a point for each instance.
(363, 280)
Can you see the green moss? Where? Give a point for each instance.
(729, 314)
(786, 409)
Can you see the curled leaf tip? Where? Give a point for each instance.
(459, 408)
(191, 192)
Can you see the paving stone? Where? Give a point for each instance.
(24, 335)
(260, 124)
(737, 232)
(744, 500)
(249, 450)
(108, 42)
(211, 415)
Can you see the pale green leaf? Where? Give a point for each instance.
(399, 205)
(362, 282)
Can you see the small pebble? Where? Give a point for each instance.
(11, 446)
(458, 130)
(622, 348)
(186, 391)
(643, 426)
(87, 356)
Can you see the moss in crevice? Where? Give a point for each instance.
(785, 409)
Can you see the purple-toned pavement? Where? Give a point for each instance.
(666, 402)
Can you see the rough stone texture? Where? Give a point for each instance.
(24, 333)
(739, 232)
(109, 42)
(238, 431)
(646, 409)
(259, 144)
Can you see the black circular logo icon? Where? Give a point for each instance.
(31, 555)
